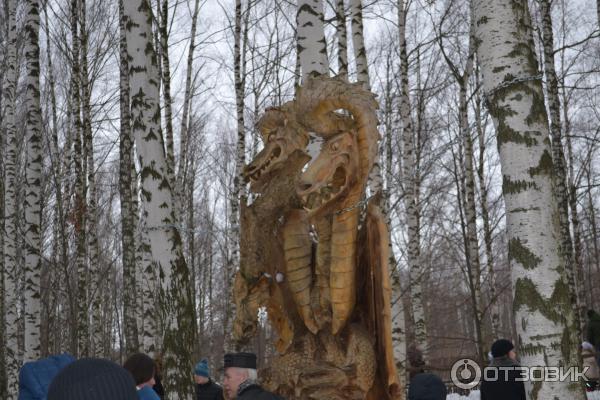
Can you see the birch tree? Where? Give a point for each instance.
(238, 194)
(80, 206)
(312, 47)
(397, 302)
(126, 194)
(485, 215)
(175, 302)
(96, 274)
(187, 100)
(511, 80)
(33, 126)
(558, 161)
(2, 273)
(472, 242)
(358, 43)
(12, 361)
(342, 39)
(166, 85)
(3, 51)
(410, 175)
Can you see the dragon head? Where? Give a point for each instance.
(329, 177)
(281, 137)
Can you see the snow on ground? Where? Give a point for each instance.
(474, 395)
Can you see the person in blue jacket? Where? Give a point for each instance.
(35, 376)
(143, 369)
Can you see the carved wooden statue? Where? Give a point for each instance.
(323, 279)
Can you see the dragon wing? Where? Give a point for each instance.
(379, 295)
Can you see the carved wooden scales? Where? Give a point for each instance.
(331, 309)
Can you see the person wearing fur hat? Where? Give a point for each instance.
(206, 389)
(506, 387)
(240, 380)
(92, 379)
(592, 373)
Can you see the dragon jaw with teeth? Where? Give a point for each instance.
(329, 184)
(281, 136)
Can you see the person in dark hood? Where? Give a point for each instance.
(416, 361)
(426, 387)
(240, 378)
(35, 376)
(593, 331)
(206, 389)
(506, 386)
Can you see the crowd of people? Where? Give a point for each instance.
(61, 377)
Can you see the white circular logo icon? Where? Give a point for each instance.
(465, 373)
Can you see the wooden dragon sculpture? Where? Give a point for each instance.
(328, 298)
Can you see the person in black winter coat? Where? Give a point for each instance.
(506, 386)
(426, 387)
(206, 389)
(240, 378)
(593, 331)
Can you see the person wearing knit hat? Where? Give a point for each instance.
(92, 379)
(503, 347)
(206, 389)
(427, 387)
(501, 385)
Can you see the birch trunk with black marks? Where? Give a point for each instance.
(312, 47)
(3, 69)
(238, 194)
(358, 42)
(168, 101)
(80, 206)
(175, 305)
(472, 241)
(145, 275)
(130, 309)
(12, 360)
(543, 312)
(558, 159)
(187, 99)
(342, 39)
(485, 215)
(2, 273)
(410, 187)
(33, 175)
(572, 192)
(96, 273)
(61, 244)
(375, 180)
(471, 211)
(398, 309)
